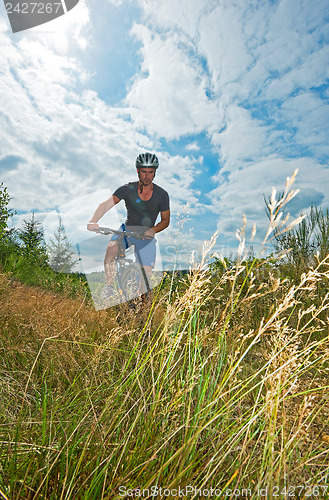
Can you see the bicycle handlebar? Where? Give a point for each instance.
(108, 230)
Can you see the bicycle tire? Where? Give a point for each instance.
(132, 282)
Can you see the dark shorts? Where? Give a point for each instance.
(145, 250)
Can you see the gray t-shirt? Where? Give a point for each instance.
(139, 212)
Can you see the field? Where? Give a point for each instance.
(222, 382)
(218, 388)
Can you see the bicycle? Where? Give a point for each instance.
(132, 280)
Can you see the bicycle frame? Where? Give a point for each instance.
(121, 261)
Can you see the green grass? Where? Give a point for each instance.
(36, 272)
(222, 382)
(180, 397)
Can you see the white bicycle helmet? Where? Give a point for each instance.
(147, 160)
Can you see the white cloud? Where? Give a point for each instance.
(244, 139)
(223, 43)
(58, 144)
(65, 33)
(183, 15)
(256, 54)
(192, 147)
(169, 97)
(116, 3)
(311, 133)
(244, 191)
(66, 142)
(245, 74)
(312, 71)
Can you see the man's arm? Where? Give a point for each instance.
(100, 211)
(164, 222)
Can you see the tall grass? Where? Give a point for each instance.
(223, 386)
(305, 243)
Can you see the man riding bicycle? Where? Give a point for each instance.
(144, 201)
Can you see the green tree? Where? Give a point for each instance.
(33, 244)
(5, 212)
(306, 240)
(60, 252)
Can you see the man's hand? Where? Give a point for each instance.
(149, 234)
(92, 226)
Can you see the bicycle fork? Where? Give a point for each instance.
(145, 278)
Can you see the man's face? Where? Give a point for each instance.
(146, 175)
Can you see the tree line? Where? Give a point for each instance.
(29, 242)
(302, 247)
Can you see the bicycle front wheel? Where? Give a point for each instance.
(132, 282)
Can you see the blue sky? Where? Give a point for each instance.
(231, 94)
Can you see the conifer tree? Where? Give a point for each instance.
(33, 241)
(60, 251)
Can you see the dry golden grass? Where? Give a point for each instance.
(223, 382)
(200, 389)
